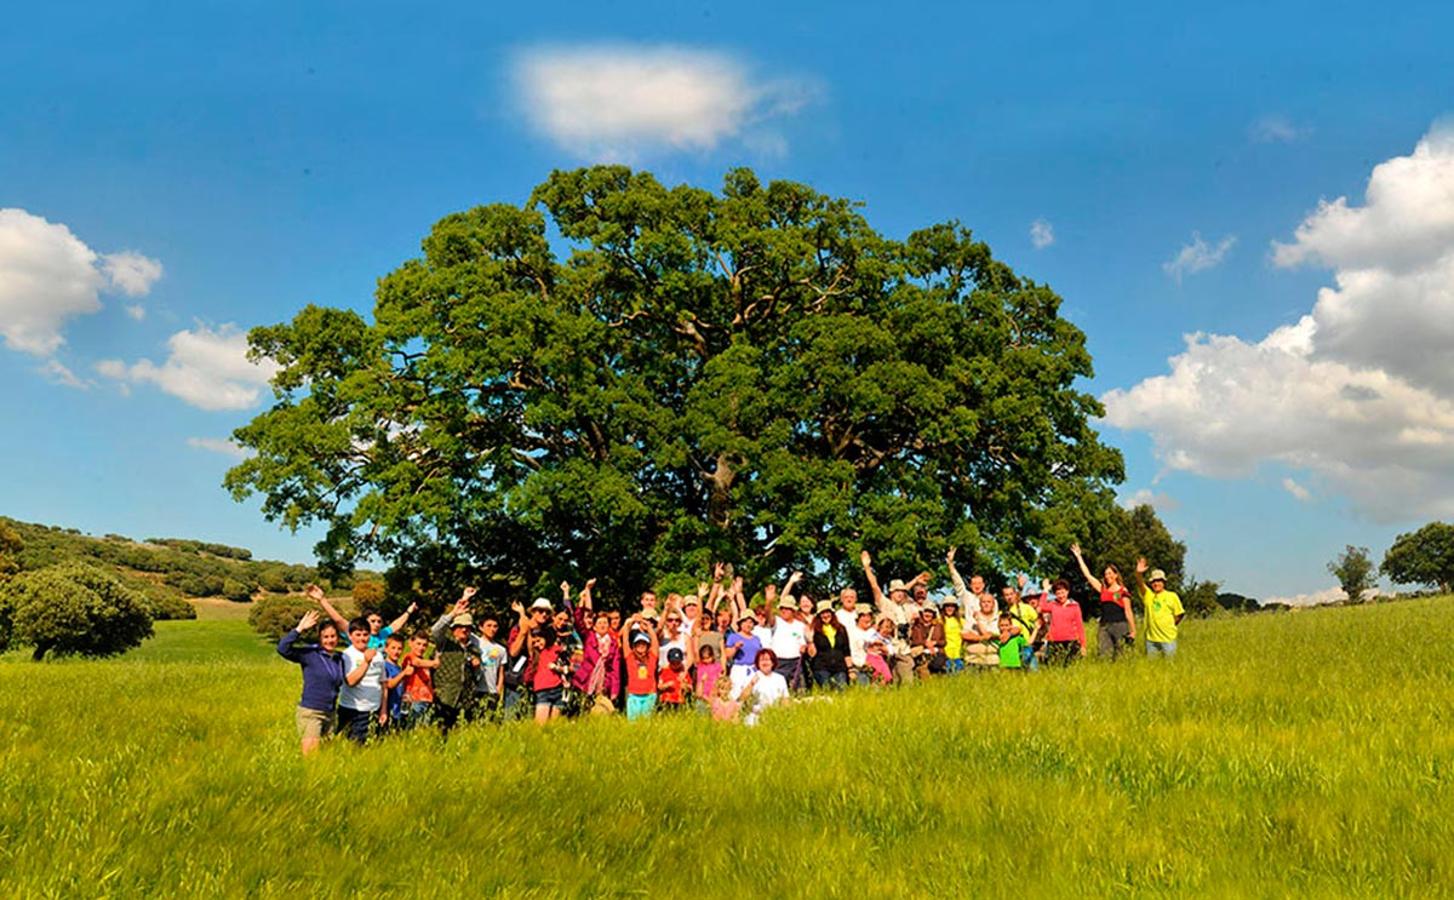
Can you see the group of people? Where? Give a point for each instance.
(713, 651)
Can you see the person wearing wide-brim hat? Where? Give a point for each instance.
(789, 636)
(896, 603)
(459, 662)
(829, 648)
(1163, 611)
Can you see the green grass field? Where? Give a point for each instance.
(1302, 754)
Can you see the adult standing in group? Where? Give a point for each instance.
(829, 648)
(1118, 620)
(459, 662)
(926, 642)
(789, 637)
(849, 610)
(598, 677)
(1164, 611)
(1065, 632)
(896, 604)
(323, 675)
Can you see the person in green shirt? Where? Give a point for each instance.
(1163, 611)
(1011, 644)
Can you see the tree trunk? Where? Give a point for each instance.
(39, 653)
(719, 490)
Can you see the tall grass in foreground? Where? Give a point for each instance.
(1306, 754)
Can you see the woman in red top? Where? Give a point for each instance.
(1118, 619)
(550, 665)
(1065, 636)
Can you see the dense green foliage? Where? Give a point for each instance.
(73, 608)
(1321, 769)
(1425, 556)
(1354, 570)
(754, 375)
(271, 617)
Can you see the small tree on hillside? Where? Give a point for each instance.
(73, 608)
(1354, 570)
(1199, 598)
(1424, 557)
(10, 548)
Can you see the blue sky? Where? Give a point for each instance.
(271, 155)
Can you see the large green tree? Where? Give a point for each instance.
(1425, 556)
(630, 380)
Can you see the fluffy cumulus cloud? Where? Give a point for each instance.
(1298, 492)
(206, 368)
(1042, 234)
(1161, 502)
(221, 446)
(1198, 256)
(49, 276)
(1360, 391)
(624, 101)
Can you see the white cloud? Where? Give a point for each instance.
(1042, 234)
(56, 372)
(205, 368)
(1299, 493)
(218, 445)
(1198, 256)
(1360, 391)
(1274, 129)
(1147, 497)
(620, 101)
(49, 276)
(136, 311)
(131, 273)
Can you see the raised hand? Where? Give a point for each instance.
(369, 655)
(769, 593)
(565, 589)
(310, 618)
(461, 606)
(314, 592)
(413, 608)
(1141, 566)
(866, 558)
(590, 583)
(1022, 580)
(1075, 549)
(716, 572)
(468, 593)
(949, 557)
(517, 607)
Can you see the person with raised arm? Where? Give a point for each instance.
(897, 604)
(1164, 611)
(323, 674)
(598, 677)
(639, 647)
(378, 631)
(459, 661)
(1118, 620)
(789, 636)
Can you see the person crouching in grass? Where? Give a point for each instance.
(638, 643)
(322, 677)
(361, 699)
(1011, 645)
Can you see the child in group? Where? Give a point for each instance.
(418, 680)
(673, 683)
(638, 643)
(709, 672)
(1011, 645)
(361, 698)
(394, 676)
(724, 708)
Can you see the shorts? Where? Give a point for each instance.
(639, 706)
(313, 724)
(553, 698)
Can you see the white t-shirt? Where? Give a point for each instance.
(788, 638)
(368, 694)
(770, 690)
(858, 641)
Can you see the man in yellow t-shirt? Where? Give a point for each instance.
(1163, 611)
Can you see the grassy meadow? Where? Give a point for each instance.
(1301, 754)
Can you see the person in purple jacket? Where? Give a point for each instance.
(322, 677)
